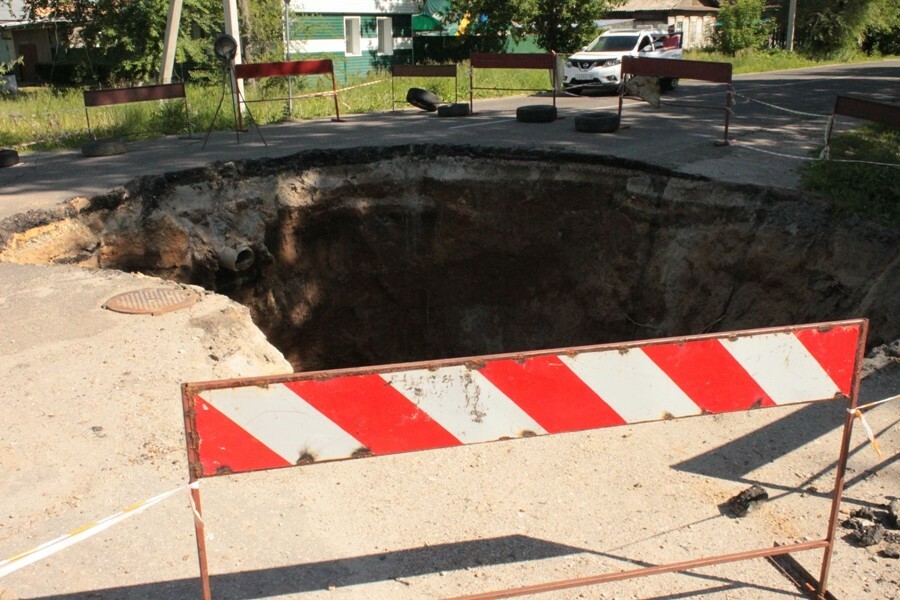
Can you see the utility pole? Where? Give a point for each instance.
(792, 15)
(168, 59)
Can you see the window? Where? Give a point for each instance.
(385, 35)
(352, 36)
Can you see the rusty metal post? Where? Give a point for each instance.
(555, 76)
(88, 119)
(206, 594)
(194, 472)
(337, 111)
(471, 83)
(841, 469)
(729, 102)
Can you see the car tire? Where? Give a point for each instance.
(597, 122)
(536, 113)
(459, 109)
(8, 158)
(94, 148)
(423, 99)
(667, 84)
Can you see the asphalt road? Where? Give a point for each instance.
(778, 122)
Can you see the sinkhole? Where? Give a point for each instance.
(380, 255)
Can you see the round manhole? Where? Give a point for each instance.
(154, 301)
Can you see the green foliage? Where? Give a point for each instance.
(739, 26)
(826, 27)
(263, 35)
(123, 39)
(869, 190)
(490, 19)
(559, 25)
(563, 26)
(881, 34)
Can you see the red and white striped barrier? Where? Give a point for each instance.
(301, 419)
(271, 422)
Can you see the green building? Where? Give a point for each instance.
(358, 35)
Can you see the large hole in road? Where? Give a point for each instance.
(368, 256)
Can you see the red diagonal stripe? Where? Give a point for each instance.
(551, 394)
(835, 350)
(373, 412)
(709, 375)
(225, 447)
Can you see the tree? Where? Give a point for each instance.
(563, 25)
(123, 39)
(739, 26)
(558, 25)
(491, 20)
(826, 27)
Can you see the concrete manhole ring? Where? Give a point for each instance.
(153, 301)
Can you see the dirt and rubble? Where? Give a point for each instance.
(377, 255)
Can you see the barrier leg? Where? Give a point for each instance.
(471, 95)
(841, 468)
(88, 119)
(201, 544)
(337, 111)
(729, 102)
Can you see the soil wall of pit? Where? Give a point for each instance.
(367, 256)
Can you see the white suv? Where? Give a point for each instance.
(599, 65)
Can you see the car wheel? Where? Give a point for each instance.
(8, 158)
(423, 99)
(597, 122)
(460, 109)
(536, 113)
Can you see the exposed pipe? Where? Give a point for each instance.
(235, 258)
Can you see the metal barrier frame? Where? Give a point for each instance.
(715, 72)
(423, 71)
(288, 69)
(492, 60)
(859, 108)
(190, 397)
(163, 91)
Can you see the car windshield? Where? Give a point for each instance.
(613, 43)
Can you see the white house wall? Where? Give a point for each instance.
(338, 46)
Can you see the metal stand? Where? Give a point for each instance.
(236, 101)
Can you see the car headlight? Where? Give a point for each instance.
(612, 62)
(569, 63)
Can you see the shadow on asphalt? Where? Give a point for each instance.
(344, 572)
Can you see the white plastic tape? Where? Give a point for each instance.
(28, 557)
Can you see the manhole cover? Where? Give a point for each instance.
(154, 301)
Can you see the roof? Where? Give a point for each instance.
(13, 10)
(665, 6)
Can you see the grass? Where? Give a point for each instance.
(760, 61)
(872, 191)
(49, 118)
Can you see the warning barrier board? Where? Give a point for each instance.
(300, 419)
(263, 423)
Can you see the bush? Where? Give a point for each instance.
(739, 26)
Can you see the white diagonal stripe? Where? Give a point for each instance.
(284, 422)
(782, 366)
(631, 384)
(464, 403)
